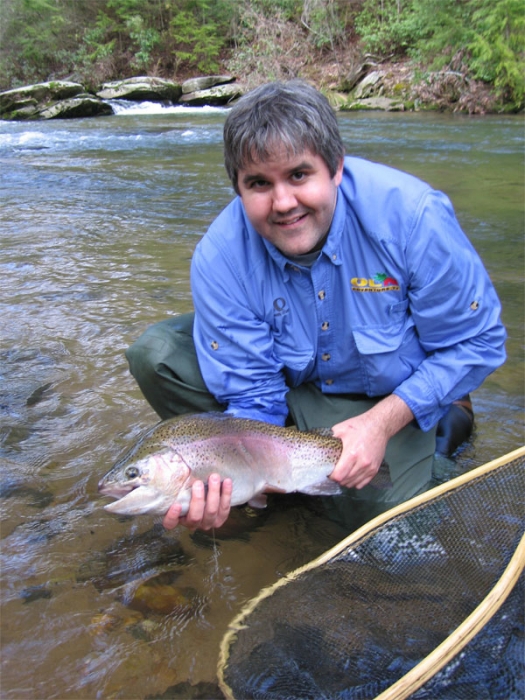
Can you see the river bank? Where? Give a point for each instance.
(390, 87)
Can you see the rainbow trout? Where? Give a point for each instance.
(259, 457)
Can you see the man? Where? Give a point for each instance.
(331, 292)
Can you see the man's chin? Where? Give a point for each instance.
(296, 248)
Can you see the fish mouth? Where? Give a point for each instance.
(114, 490)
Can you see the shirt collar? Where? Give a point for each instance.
(332, 247)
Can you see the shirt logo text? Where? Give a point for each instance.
(380, 282)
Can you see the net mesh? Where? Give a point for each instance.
(358, 622)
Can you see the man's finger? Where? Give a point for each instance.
(171, 519)
(225, 502)
(197, 503)
(213, 500)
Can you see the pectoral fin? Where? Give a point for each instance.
(258, 501)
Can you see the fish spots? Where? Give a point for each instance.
(256, 455)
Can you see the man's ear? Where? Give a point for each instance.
(339, 172)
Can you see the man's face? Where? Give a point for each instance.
(290, 200)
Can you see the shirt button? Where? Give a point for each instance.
(321, 294)
(325, 356)
(329, 381)
(334, 257)
(325, 325)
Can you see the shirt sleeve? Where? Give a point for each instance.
(234, 344)
(455, 309)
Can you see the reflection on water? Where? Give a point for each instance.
(99, 223)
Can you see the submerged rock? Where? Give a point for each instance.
(32, 593)
(134, 557)
(157, 598)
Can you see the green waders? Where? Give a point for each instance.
(164, 363)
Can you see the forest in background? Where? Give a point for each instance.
(325, 41)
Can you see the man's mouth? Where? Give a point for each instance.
(290, 221)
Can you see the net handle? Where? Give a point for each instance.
(461, 636)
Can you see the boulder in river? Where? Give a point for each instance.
(80, 106)
(205, 82)
(27, 102)
(215, 96)
(141, 89)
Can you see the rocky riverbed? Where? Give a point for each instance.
(387, 87)
(62, 99)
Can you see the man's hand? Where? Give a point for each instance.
(365, 438)
(206, 511)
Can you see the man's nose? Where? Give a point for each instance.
(283, 197)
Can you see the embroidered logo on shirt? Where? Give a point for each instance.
(380, 282)
(280, 306)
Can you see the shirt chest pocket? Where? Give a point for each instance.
(294, 350)
(388, 354)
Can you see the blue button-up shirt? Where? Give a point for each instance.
(397, 302)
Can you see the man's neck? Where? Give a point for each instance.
(306, 259)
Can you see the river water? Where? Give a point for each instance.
(99, 220)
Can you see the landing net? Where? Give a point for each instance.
(425, 601)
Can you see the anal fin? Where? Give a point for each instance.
(327, 487)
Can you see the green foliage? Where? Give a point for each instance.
(97, 40)
(324, 24)
(489, 35)
(145, 38)
(447, 29)
(288, 10)
(32, 27)
(497, 47)
(388, 28)
(197, 43)
(267, 46)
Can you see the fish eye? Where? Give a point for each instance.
(132, 472)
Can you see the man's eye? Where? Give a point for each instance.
(297, 177)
